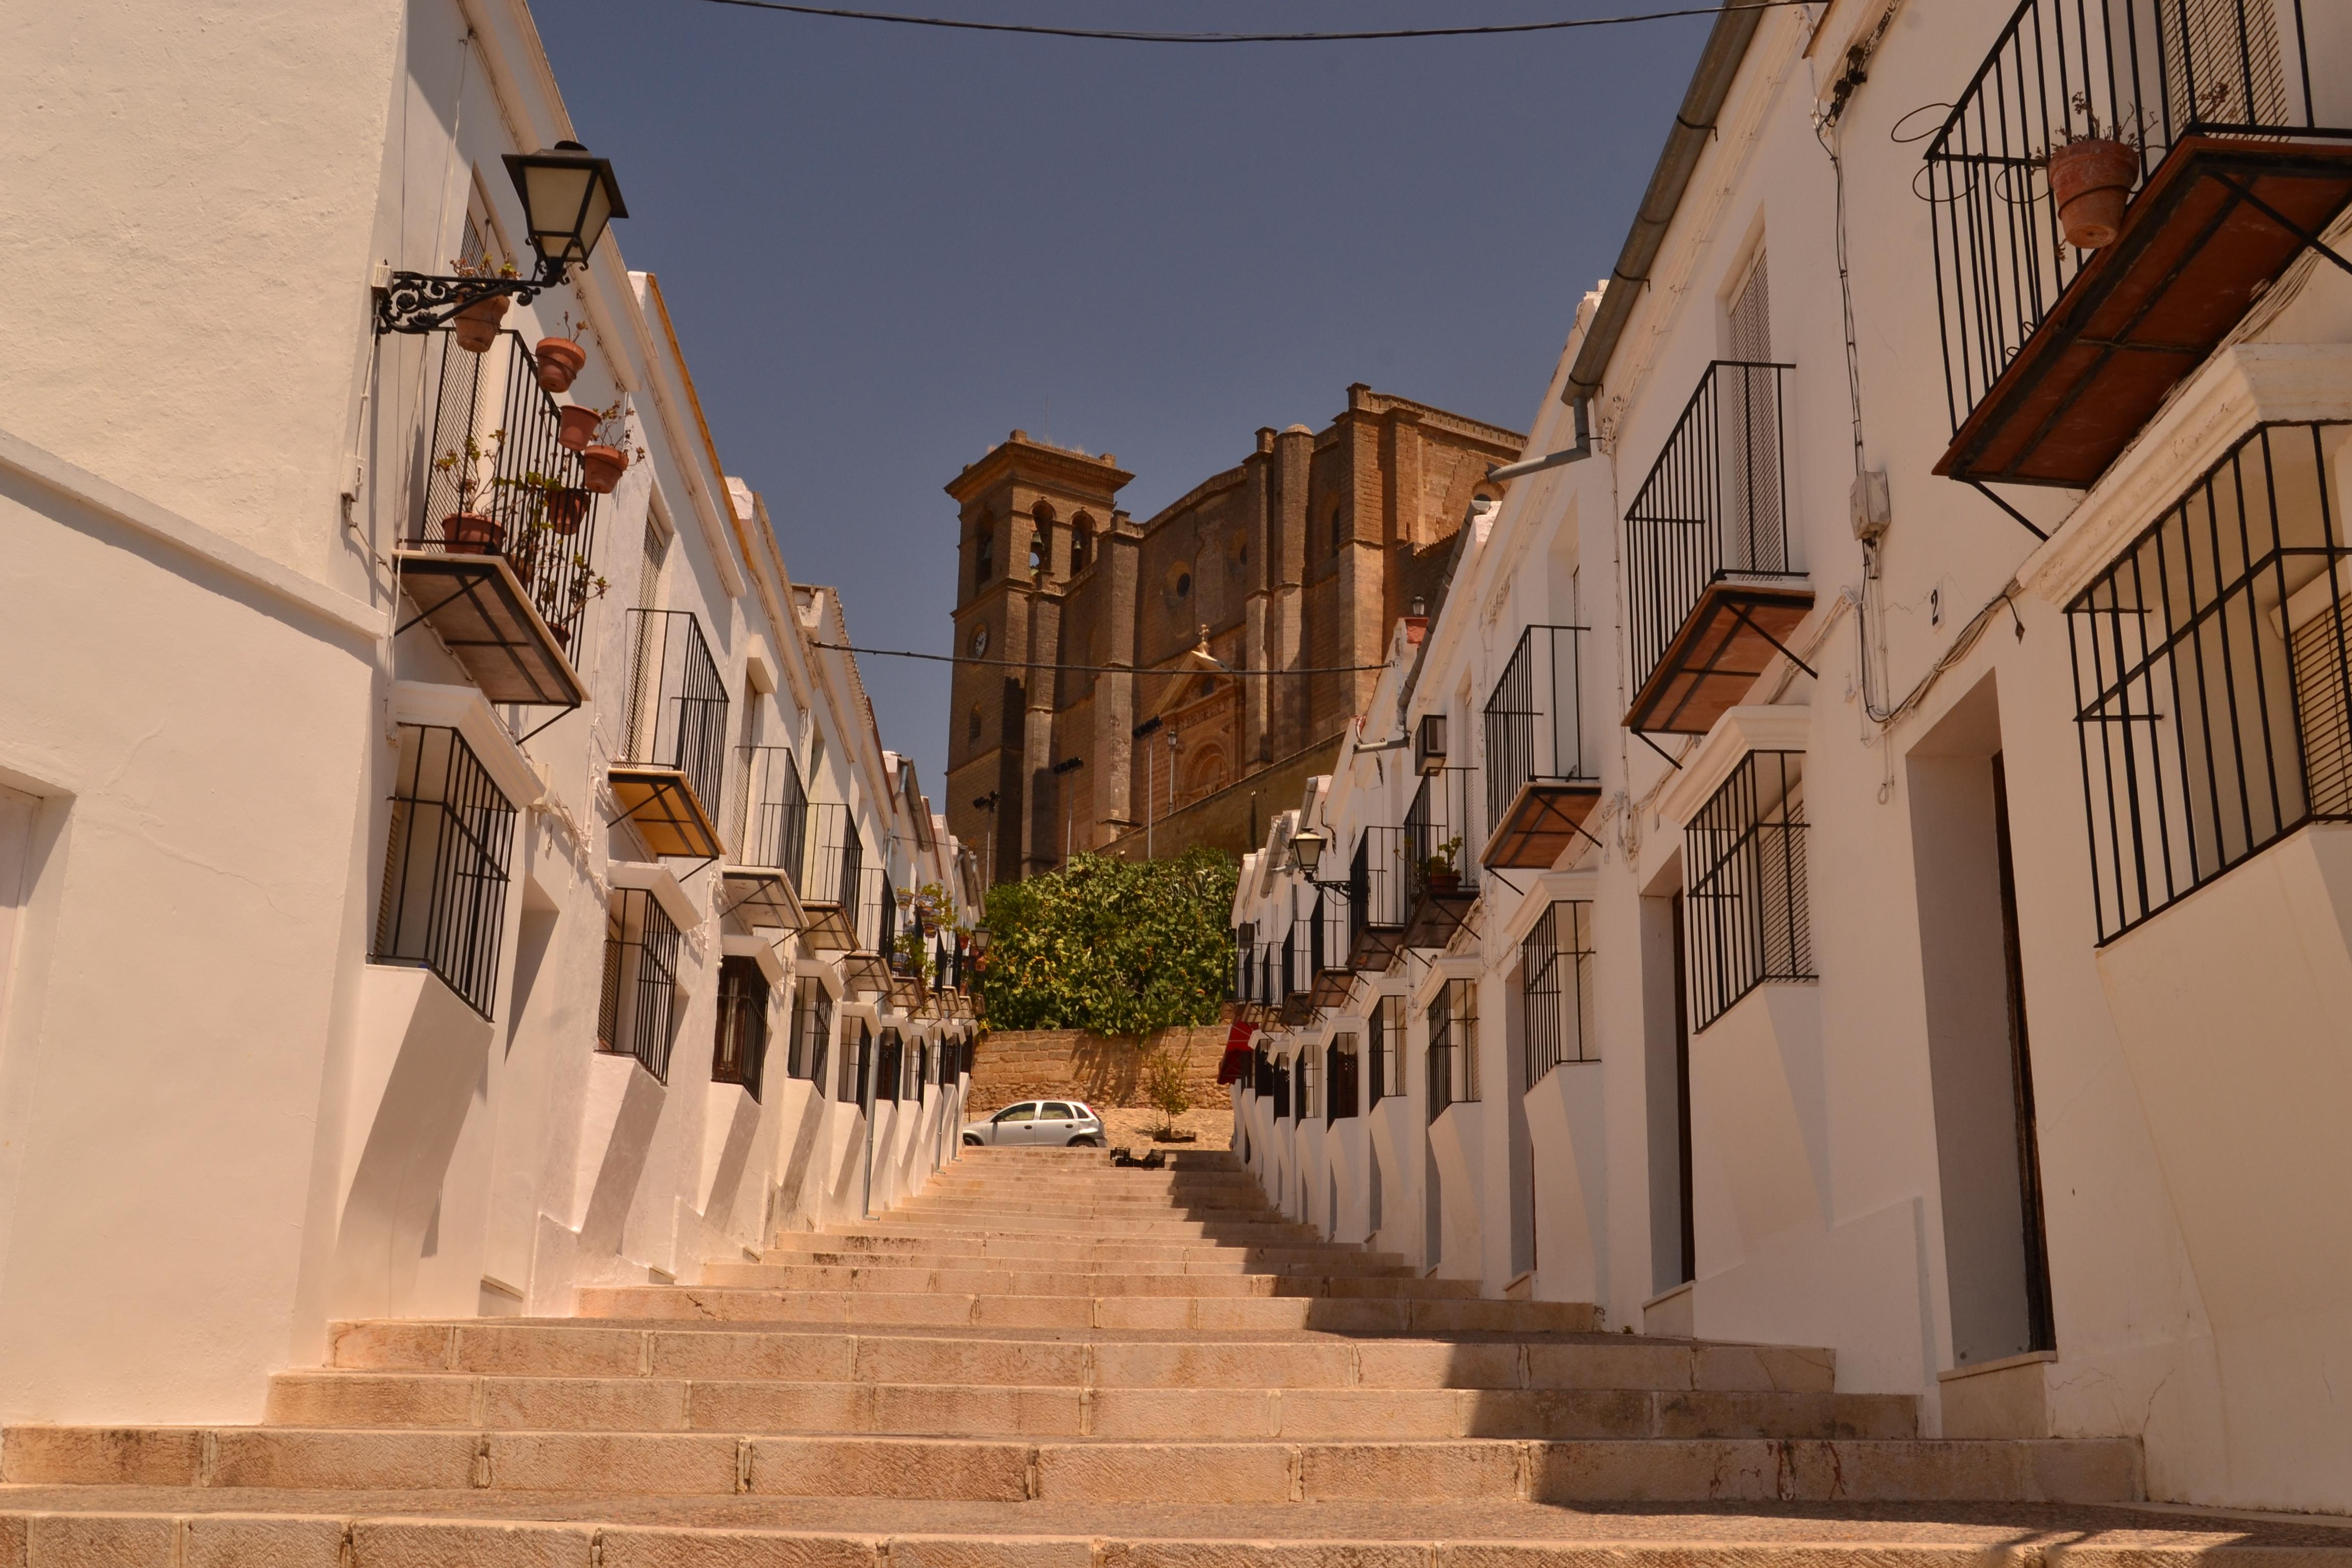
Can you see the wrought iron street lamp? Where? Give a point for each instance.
(569, 196)
(1306, 850)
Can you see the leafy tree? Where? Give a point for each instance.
(1118, 947)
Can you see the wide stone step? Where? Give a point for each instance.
(1078, 1282)
(717, 1303)
(169, 1528)
(1239, 1232)
(1077, 1247)
(1538, 1361)
(1327, 1263)
(359, 1399)
(985, 1210)
(1652, 1469)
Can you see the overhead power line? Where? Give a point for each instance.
(1121, 36)
(1088, 668)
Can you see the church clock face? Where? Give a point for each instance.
(979, 641)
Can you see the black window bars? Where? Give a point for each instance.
(2212, 677)
(1744, 867)
(1376, 887)
(1711, 508)
(2150, 72)
(1306, 1084)
(851, 1089)
(1343, 1072)
(444, 899)
(739, 1046)
(812, 1033)
(1386, 1049)
(889, 1067)
(1556, 989)
(638, 1014)
(834, 869)
(1280, 1074)
(1453, 1046)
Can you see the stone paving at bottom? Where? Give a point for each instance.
(1047, 1360)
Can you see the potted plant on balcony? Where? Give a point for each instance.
(1438, 871)
(575, 425)
(477, 326)
(465, 531)
(2091, 178)
(559, 358)
(605, 460)
(555, 506)
(570, 588)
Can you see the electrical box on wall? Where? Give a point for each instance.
(1873, 511)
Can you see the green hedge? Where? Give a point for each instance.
(1119, 947)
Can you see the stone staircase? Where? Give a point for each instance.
(1048, 1358)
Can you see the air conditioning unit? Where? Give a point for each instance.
(1429, 744)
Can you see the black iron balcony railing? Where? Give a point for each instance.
(1541, 781)
(833, 852)
(673, 762)
(1376, 897)
(738, 1049)
(1712, 591)
(498, 490)
(771, 825)
(2213, 674)
(2058, 349)
(637, 1015)
(446, 866)
(1750, 909)
(1441, 873)
(1556, 989)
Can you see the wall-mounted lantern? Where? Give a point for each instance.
(569, 196)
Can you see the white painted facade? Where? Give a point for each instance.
(227, 1117)
(1854, 1179)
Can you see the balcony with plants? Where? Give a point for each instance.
(499, 559)
(2113, 189)
(1441, 881)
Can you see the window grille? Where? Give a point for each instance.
(1453, 1046)
(2212, 676)
(1343, 1063)
(444, 870)
(812, 1033)
(1387, 1023)
(835, 856)
(738, 1053)
(1556, 968)
(851, 1089)
(1307, 1106)
(890, 1068)
(1282, 1089)
(1261, 1070)
(1376, 884)
(1748, 902)
(638, 1017)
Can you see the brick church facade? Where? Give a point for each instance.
(1301, 557)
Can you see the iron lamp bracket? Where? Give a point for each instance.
(427, 301)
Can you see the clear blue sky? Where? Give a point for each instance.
(886, 247)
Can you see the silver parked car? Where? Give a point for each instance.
(1032, 1124)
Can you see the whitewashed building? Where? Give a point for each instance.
(428, 882)
(1862, 853)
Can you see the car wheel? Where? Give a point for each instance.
(1086, 1142)
(971, 1140)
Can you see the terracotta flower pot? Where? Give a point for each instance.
(566, 511)
(477, 325)
(603, 466)
(1445, 884)
(2091, 183)
(473, 533)
(576, 426)
(561, 362)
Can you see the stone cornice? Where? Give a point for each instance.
(1023, 457)
(2242, 386)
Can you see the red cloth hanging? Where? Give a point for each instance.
(1237, 1064)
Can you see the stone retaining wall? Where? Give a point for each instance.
(1033, 1064)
